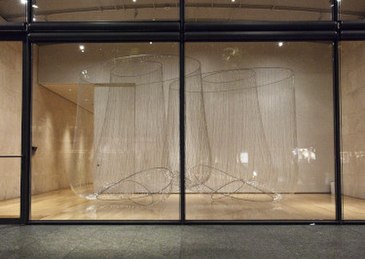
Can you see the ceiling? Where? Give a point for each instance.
(124, 10)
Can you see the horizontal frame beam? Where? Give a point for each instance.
(7, 221)
(352, 25)
(103, 37)
(104, 27)
(262, 36)
(192, 222)
(261, 26)
(352, 35)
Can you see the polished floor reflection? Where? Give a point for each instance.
(10, 208)
(64, 205)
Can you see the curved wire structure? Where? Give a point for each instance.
(240, 131)
(251, 125)
(130, 156)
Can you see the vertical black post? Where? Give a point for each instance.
(29, 11)
(26, 123)
(337, 116)
(182, 111)
(26, 134)
(335, 10)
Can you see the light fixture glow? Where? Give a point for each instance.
(151, 42)
(35, 6)
(23, 1)
(233, 1)
(134, 1)
(82, 48)
(280, 44)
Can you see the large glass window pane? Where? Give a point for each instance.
(259, 131)
(258, 10)
(352, 9)
(353, 137)
(10, 127)
(106, 10)
(105, 125)
(12, 11)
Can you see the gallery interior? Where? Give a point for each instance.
(191, 111)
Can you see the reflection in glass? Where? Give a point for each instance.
(10, 187)
(257, 10)
(352, 9)
(129, 156)
(256, 122)
(112, 131)
(12, 11)
(106, 10)
(10, 128)
(353, 141)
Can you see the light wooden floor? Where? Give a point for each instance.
(65, 205)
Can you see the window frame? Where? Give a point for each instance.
(32, 32)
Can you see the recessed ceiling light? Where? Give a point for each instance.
(280, 44)
(151, 42)
(134, 1)
(233, 1)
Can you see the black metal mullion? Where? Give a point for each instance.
(29, 12)
(337, 117)
(335, 11)
(26, 133)
(182, 113)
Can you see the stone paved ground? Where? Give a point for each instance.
(209, 241)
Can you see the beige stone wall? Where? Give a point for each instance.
(353, 117)
(54, 120)
(10, 114)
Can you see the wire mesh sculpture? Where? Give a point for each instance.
(239, 134)
(128, 156)
(251, 126)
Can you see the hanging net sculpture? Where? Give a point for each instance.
(129, 159)
(197, 149)
(250, 116)
(240, 131)
(131, 153)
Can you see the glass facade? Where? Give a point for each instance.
(352, 9)
(10, 128)
(145, 111)
(258, 10)
(105, 10)
(262, 156)
(12, 11)
(105, 125)
(352, 92)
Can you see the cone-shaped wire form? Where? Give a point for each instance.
(250, 116)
